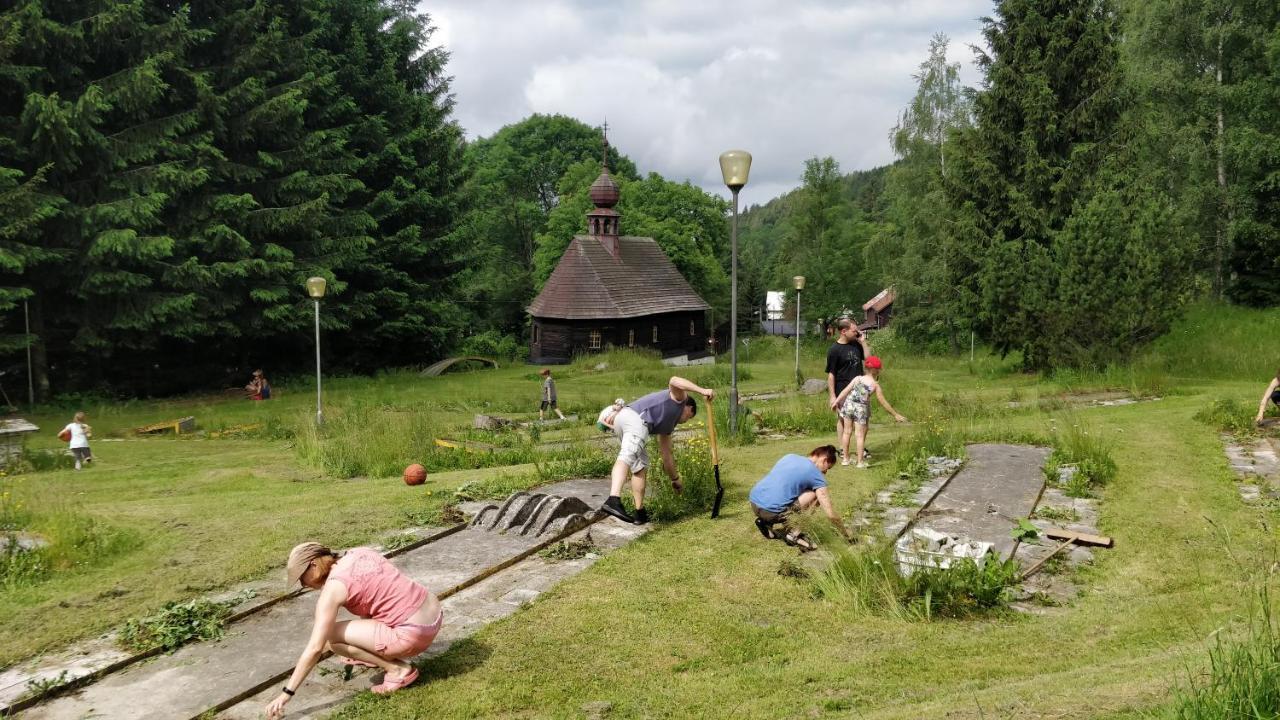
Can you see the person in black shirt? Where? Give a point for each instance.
(844, 363)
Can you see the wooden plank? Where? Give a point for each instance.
(1082, 538)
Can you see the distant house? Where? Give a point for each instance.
(615, 290)
(878, 310)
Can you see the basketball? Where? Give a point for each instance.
(415, 474)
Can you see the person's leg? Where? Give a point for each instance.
(637, 487)
(557, 407)
(358, 640)
(846, 433)
(860, 430)
(618, 476)
(807, 499)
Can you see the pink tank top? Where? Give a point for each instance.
(375, 588)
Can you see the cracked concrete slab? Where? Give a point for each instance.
(997, 484)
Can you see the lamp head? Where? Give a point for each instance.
(315, 287)
(799, 282)
(735, 166)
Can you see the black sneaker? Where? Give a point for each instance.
(613, 506)
(642, 516)
(765, 529)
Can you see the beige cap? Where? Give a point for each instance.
(301, 557)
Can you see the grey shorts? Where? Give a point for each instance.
(81, 453)
(635, 436)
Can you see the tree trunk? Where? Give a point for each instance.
(1220, 240)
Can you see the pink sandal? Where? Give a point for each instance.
(390, 686)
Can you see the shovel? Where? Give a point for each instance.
(715, 459)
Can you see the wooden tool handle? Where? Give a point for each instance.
(711, 430)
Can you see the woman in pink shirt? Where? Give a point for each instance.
(397, 617)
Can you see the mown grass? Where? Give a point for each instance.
(694, 619)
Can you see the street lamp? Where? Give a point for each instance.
(315, 288)
(735, 166)
(799, 283)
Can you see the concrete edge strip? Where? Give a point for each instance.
(920, 510)
(474, 579)
(90, 678)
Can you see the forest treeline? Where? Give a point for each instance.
(171, 173)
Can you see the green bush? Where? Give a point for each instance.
(494, 344)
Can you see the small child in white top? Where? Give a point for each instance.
(79, 439)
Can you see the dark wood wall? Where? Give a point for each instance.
(555, 341)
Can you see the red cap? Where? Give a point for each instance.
(873, 363)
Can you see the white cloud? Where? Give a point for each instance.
(681, 81)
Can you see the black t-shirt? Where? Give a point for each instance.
(845, 362)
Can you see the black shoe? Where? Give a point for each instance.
(613, 506)
(642, 516)
(765, 529)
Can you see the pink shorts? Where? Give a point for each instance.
(405, 640)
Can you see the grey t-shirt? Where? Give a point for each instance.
(549, 390)
(659, 412)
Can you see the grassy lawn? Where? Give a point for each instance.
(692, 620)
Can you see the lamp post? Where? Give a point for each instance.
(31, 383)
(315, 288)
(799, 283)
(735, 166)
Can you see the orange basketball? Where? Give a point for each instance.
(415, 474)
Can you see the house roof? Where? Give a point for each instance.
(589, 283)
(881, 301)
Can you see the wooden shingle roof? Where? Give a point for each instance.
(591, 284)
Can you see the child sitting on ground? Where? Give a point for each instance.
(854, 402)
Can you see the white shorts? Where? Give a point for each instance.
(635, 436)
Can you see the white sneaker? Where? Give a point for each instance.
(862, 466)
(844, 461)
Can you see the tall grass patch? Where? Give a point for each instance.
(867, 579)
(38, 543)
(1088, 451)
(1242, 679)
(1219, 340)
(377, 441)
(1228, 415)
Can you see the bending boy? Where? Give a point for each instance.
(658, 414)
(795, 484)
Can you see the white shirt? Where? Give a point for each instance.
(78, 438)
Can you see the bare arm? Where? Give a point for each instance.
(1266, 395)
(331, 598)
(866, 347)
(665, 447)
(845, 393)
(831, 386)
(824, 501)
(885, 403)
(680, 388)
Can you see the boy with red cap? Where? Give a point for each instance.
(854, 403)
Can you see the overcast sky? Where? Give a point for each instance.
(680, 81)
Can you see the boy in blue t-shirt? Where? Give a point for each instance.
(795, 484)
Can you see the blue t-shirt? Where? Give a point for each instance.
(790, 477)
(659, 412)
